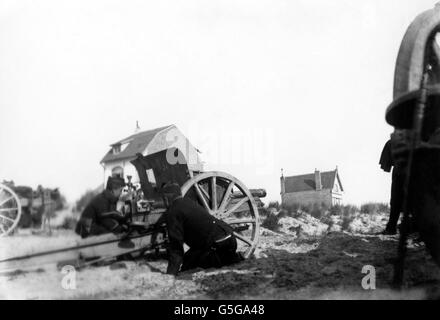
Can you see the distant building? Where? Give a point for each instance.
(116, 162)
(318, 187)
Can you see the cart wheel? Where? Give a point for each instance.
(10, 210)
(228, 199)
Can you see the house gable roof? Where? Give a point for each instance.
(306, 182)
(136, 143)
(339, 180)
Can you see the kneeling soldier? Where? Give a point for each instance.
(211, 241)
(100, 215)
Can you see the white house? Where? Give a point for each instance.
(318, 187)
(117, 160)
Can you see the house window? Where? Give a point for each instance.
(116, 149)
(118, 172)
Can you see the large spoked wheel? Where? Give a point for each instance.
(228, 199)
(10, 210)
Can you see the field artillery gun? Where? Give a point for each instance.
(221, 194)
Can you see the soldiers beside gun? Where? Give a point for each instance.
(211, 241)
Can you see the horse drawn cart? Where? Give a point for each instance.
(221, 194)
(21, 206)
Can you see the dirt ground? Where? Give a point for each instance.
(285, 266)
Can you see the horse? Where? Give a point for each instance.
(48, 199)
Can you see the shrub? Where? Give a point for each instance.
(271, 222)
(307, 207)
(84, 200)
(293, 207)
(284, 213)
(368, 208)
(316, 211)
(336, 210)
(348, 216)
(274, 204)
(263, 211)
(324, 207)
(69, 223)
(383, 207)
(60, 203)
(293, 214)
(350, 209)
(327, 219)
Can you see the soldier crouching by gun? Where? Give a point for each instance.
(211, 241)
(100, 215)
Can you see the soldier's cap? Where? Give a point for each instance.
(114, 183)
(171, 188)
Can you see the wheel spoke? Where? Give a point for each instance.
(244, 239)
(207, 197)
(240, 221)
(226, 196)
(6, 218)
(436, 50)
(201, 196)
(8, 209)
(237, 205)
(3, 228)
(4, 201)
(214, 193)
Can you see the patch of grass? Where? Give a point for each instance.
(374, 207)
(346, 212)
(369, 208)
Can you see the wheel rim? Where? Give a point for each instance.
(228, 199)
(10, 210)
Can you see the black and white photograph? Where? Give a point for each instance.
(223, 150)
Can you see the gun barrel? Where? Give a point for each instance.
(256, 193)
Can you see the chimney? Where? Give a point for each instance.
(318, 182)
(283, 188)
(137, 127)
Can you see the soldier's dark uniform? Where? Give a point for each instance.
(210, 240)
(100, 216)
(387, 164)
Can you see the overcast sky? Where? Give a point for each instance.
(297, 85)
